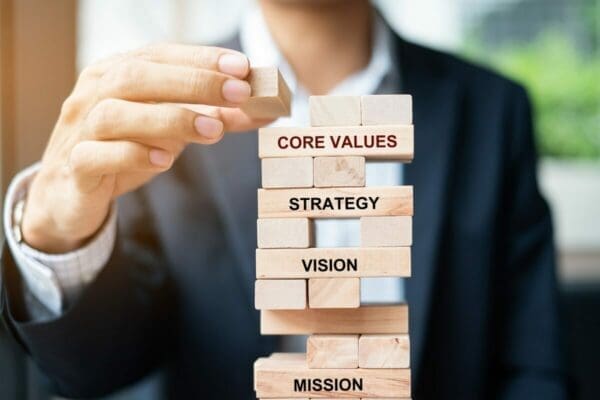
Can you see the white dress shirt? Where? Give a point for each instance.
(57, 279)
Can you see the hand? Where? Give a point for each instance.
(126, 121)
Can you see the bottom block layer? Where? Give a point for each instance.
(287, 376)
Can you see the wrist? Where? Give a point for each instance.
(42, 235)
(53, 223)
(40, 228)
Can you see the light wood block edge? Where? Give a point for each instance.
(280, 294)
(289, 172)
(347, 171)
(381, 319)
(335, 110)
(334, 293)
(384, 351)
(332, 351)
(285, 233)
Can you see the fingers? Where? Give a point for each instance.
(97, 158)
(138, 80)
(205, 57)
(114, 119)
(234, 119)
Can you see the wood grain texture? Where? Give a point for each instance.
(338, 262)
(339, 171)
(391, 109)
(270, 95)
(284, 233)
(386, 231)
(293, 172)
(366, 319)
(393, 142)
(384, 351)
(285, 294)
(288, 376)
(335, 202)
(334, 110)
(334, 293)
(332, 351)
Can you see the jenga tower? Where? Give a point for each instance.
(353, 351)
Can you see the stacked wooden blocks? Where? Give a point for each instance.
(354, 351)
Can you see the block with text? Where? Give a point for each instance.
(354, 350)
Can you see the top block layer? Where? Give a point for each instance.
(387, 109)
(270, 95)
(335, 111)
(392, 142)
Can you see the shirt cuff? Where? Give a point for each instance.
(56, 280)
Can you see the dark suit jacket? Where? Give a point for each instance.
(178, 289)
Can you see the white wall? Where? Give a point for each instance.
(110, 26)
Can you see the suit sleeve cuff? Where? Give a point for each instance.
(56, 280)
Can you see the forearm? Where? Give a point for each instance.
(120, 319)
(55, 280)
(117, 321)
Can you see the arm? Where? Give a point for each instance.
(529, 338)
(127, 120)
(117, 331)
(54, 280)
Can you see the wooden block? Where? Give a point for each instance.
(334, 293)
(386, 231)
(280, 294)
(335, 110)
(393, 142)
(284, 233)
(384, 351)
(293, 172)
(366, 319)
(335, 202)
(332, 351)
(339, 171)
(341, 262)
(390, 109)
(290, 376)
(270, 96)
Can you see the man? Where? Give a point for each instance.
(99, 307)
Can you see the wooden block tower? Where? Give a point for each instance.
(354, 351)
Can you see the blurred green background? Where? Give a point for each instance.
(559, 63)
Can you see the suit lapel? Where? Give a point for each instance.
(436, 101)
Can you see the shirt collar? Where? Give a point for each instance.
(258, 44)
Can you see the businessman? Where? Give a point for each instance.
(130, 246)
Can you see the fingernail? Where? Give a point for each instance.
(160, 158)
(234, 64)
(210, 128)
(236, 91)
